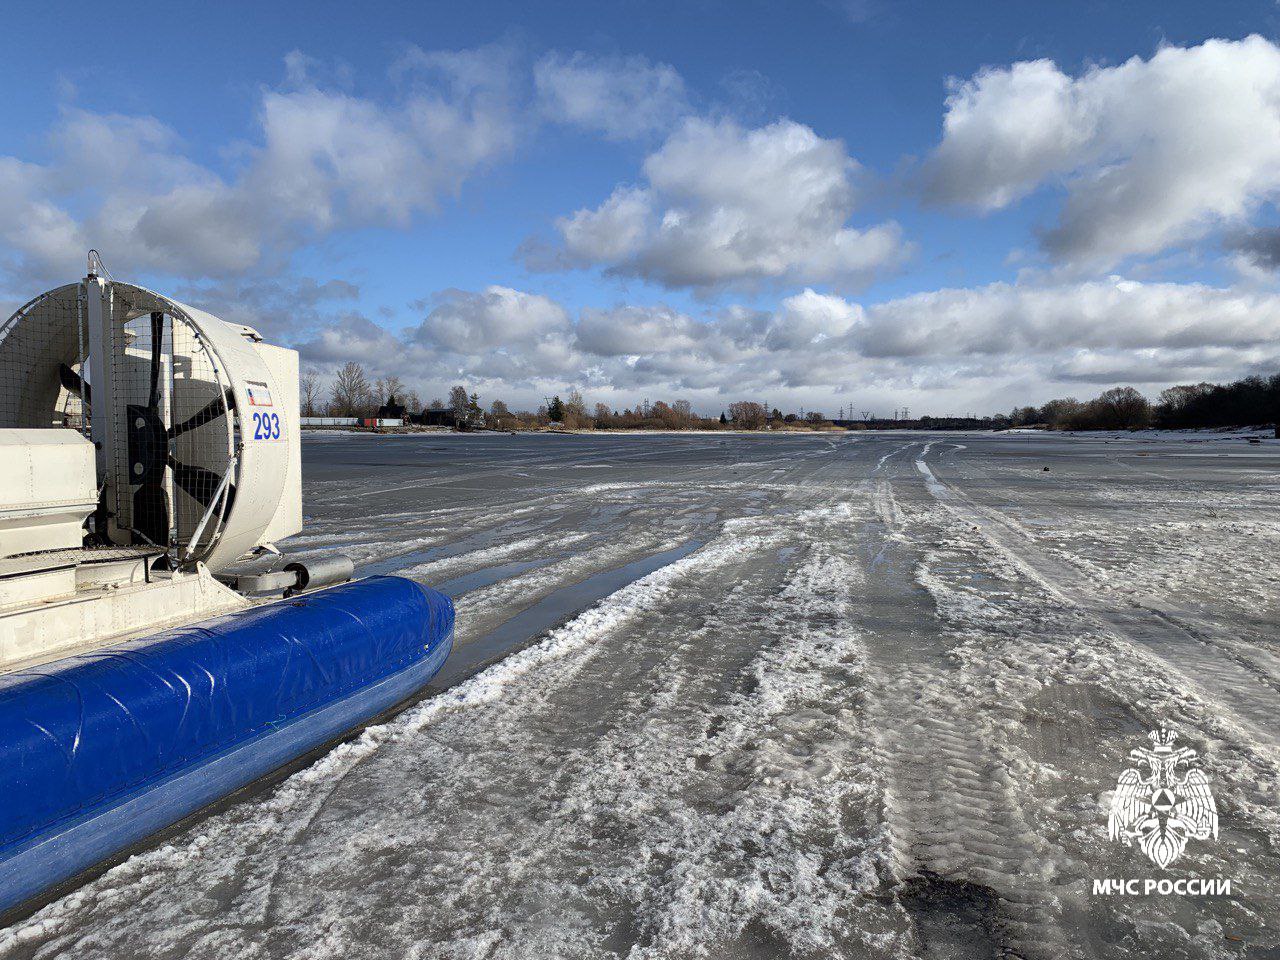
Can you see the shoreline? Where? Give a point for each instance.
(1201, 433)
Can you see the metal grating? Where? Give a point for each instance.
(169, 432)
(175, 437)
(43, 348)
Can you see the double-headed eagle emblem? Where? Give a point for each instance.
(1163, 810)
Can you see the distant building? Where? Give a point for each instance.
(434, 418)
(391, 410)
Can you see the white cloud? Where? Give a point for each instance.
(614, 232)
(281, 309)
(809, 320)
(1005, 132)
(725, 205)
(1003, 319)
(325, 160)
(356, 337)
(1256, 253)
(1152, 153)
(950, 350)
(497, 317)
(37, 232)
(620, 97)
(631, 331)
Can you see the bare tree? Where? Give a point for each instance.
(459, 402)
(414, 403)
(501, 416)
(309, 391)
(351, 395)
(1176, 398)
(575, 411)
(437, 404)
(390, 387)
(1122, 408)
(748, 414)
(1059, 413)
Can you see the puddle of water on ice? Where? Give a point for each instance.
(485, 576)
(477, 541)
(552, 610)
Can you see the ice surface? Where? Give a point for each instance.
(879, 713)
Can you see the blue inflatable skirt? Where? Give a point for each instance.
(99, 751)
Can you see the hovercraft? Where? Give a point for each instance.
(148, 453)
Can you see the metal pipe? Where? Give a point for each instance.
(321, 572)
(217, 498)
(279, 581)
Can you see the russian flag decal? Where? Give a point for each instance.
(259, 394)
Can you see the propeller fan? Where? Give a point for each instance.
(149, 445)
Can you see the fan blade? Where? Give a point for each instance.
(73, 382)
(157, 348)
(151, 513)
(148, 444)
(210, 411)
(200, 484)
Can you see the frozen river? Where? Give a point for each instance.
(734, 696)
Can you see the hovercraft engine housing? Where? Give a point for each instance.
(150, 458)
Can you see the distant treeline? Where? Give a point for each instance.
(1247, 402)
(1252, 401)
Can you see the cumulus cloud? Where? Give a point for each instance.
(354, 336)
(620, 97)
(961, 347)
(1151, 153)
(495, 318)
(631, 331)
(1003, 319)
(808, 320)
(325, 160)
(281, 309)
(36, 232)
(725, 205)
(1257, 251)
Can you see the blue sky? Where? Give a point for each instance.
(947, 206)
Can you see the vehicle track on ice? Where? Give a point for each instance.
(1203, 660)
(968, 867)
(1071, 677)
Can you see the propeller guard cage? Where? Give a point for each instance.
(196, 430)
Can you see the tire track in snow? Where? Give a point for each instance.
(1237, 682)
(1068, 694)
(969, 868)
